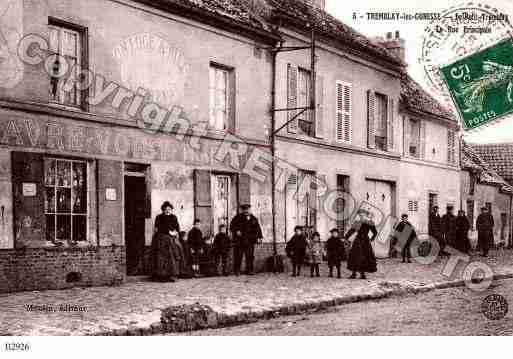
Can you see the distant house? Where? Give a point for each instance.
(483, 186)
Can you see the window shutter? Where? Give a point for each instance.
(292, 97)
(28, 168)
(390, 124)
(406, 136)
(110, 213)
(231, 94)
(244, 189)
(319, 116)
(148, 179)
(344, 110)
(423, 144)
(371, 119)
(203, 201)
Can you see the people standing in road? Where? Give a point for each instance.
(435, 229)
(361, 256)
(462, 228)
(405, 234)
(222, 245)
(335, 252)
(314, 252)
(186, 262)
(195, 241)
(246, 233)
(164, 254)
(296, 250)
(448, 230)
(484, 226)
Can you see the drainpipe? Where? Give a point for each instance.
(510, 239)
(273, 155)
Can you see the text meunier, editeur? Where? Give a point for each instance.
(48, 308)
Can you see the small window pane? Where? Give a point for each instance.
(50, 227)
(63, 200)
(64, 227)
(69, 43)
(63, 173)
(49, 172)
(79, 228)
(50, 200)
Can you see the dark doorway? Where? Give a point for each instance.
(135, 214)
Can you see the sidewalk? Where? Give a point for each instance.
(135, 308)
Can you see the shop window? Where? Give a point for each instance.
(65, 203)
(66, 44)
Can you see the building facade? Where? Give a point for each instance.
(118, 107)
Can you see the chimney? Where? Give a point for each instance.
(393, 43)
(321, 4)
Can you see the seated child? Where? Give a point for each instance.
(296, 250)
(315, 253)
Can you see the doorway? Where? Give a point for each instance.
(135, 219)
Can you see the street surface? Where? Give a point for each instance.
(454, 311)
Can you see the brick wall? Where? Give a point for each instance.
(40, 269)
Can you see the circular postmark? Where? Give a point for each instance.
(494, 307)
(461, 30)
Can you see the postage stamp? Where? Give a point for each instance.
(481, 84)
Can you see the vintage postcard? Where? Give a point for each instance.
(268, 168)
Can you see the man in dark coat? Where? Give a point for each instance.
(462, 228)
(246, 232)
(405, 234)
(196, 244)
(335, 251)
(435, 228)
(448, 229)
(484, 226)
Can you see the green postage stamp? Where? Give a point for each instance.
(481, 84)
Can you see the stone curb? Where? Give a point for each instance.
(223, 320)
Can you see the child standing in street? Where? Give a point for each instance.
(222, 247)
(335, 252)
(296, 250)
(195, 241)
(315, 253)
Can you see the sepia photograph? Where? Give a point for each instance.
(179, 169)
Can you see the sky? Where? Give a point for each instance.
(413, 34)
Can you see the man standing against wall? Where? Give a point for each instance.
(246, 233)
(435, 228)
(484, 226)
(448, 229)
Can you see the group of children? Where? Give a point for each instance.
(302, 250)
(205, 257)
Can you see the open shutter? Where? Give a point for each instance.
(29, 217)
(422, 139)
(291, 207)
(344, 109)
(406, 136)
(319, 115)
(371, 119)
(203, 201)
(110, 212)
(390, 124)
(244, 189)
(292, 75)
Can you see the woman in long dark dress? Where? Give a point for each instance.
(361, 256)
(165, 255)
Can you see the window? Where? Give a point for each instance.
(433, 201)
(65, 202)
(221, 97)
(67, 45)
(451, 147)
(305, 122)
(414, 137)
(470, 213)
(472, 184)
(344, 108)
(381, 122)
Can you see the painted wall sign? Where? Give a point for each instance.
(150, 62)
(29, 189)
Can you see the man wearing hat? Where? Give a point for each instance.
(448, 230)
(246, 232)
(484, 226)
